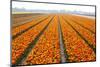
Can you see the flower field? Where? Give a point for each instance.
(41, 40)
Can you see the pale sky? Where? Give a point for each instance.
(44, 6)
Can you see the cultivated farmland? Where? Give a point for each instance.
(52, 38)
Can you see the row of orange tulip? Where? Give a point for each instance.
(47, 49)
(90, 37)
(76, 48)
(86, 22)
(20, 28)
(21, 42)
